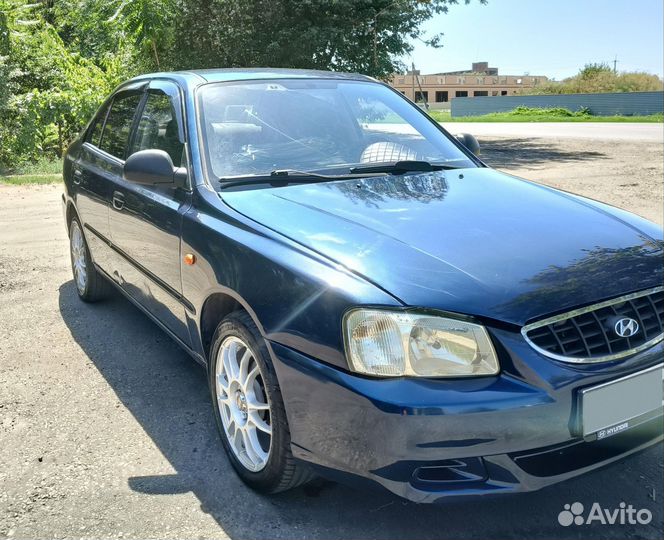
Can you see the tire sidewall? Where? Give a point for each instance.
(88, 261)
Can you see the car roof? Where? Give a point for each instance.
(202, 76)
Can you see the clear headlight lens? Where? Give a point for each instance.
(394, 344)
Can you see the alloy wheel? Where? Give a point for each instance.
(78, 259)
(243, 404)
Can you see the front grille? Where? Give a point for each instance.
(588, 334)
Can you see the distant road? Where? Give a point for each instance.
(617, 131)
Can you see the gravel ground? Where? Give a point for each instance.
(627, 174)
(106, 428)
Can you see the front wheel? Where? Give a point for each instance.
(249, 410)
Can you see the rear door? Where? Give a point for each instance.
(146, 221)
(98, 164)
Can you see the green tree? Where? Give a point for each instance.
(367, 36)
(5, 68)
(599, 77)
(52, 90)
(590, 71)
(148, 22)
(84, 27)
(60, 58)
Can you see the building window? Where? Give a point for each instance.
(461, 93)
(441, 96)
(494, 92)
(503, 92)
(519, 81)
(403, 92)
(480, 93)
(421, 96)
(402, 81)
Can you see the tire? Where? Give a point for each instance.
(91, 286)
(270, 467)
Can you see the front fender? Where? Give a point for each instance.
(296, 297)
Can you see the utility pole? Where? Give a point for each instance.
(426, 104)
(615, 61)
(412, 79)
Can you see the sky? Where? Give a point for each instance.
(546, 37)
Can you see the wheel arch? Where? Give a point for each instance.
(71, 213)
(218, 305)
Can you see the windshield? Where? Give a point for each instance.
(314, 125)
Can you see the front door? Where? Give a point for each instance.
(99, 161)
(146, 221)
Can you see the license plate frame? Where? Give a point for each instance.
(618, 405)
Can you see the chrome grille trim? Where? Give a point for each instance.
(590, 309)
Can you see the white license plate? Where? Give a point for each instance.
(613, 407)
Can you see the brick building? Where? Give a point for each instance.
(437, 89)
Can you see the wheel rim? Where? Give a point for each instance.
(243, 404)
(78, 263)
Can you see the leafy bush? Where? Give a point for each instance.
(600, 78)
(49, 91)
(549, 112)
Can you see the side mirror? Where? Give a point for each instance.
(469, 142)
(152, 167)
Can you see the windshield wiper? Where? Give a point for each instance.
(402, 167)
(287, 176)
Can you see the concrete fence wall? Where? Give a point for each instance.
(444, 106)
(624, 103)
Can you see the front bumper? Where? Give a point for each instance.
(428, 439)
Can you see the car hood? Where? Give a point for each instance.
(471, 241)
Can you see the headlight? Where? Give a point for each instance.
(394, 344)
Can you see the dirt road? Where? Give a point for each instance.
(106, 427)
(626, 174)
(598, 131)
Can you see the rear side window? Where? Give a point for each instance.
(118, 124)
(158, 127)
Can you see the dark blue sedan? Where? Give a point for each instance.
(372, 303)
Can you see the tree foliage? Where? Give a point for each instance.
(60, 58)
(599, 77)
(52, 90)
(367, 36)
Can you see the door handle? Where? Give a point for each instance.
(118, 200)
(78, 176)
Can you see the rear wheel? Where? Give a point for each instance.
(90, 284)
(249, 409)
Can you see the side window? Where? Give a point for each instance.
(118, 124)
(158, 127)
(94, 133)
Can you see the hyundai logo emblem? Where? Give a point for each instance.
(626, 327)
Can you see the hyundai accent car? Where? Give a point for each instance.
(372, 302)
